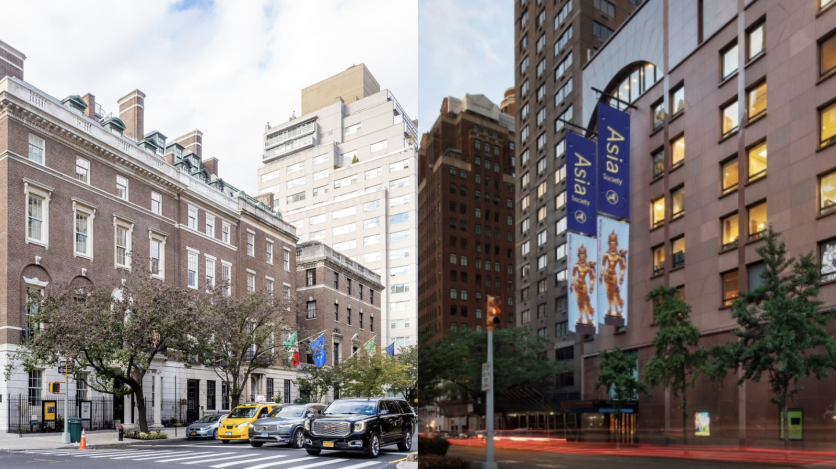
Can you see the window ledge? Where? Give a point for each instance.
(723, 306)
(756, 179)
(822, 215)
(729, 135)
(657, 130)
(37, 242)
(755, 59)
(82, 256)
(755, 119)
(657, 275)
(820, 148)
(657, 178)
(825, 8)
(827, 75)
(677, 216)
(722, 195)
(158, 277)
(661, 225)
(728, 78)
(676, 116)
(753, 241)
(674, 168)
(677, 268)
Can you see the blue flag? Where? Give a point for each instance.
(318, 349)
(391, 349)
(613, 162)
(581, 180)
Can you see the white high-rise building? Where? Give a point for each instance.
(345, 174)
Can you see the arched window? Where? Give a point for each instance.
(631, 83)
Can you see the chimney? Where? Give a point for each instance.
(266, 199)
(132, 113)
(11, 61)
(193, 142)
(90, 100)
(211, 165)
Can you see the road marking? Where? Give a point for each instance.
(162, 454)
(220, 459)
(201, 455)
(398, 460)
(124, 453)
(321, 463)
(251, 460)
(279, 463)
(358, 466)
(153, 452)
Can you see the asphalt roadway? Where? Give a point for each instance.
(184, 454)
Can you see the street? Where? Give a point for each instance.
(526, 459)
(184, 454)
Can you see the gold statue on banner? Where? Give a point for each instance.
(582, 269)
(612, 259)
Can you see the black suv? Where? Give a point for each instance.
(361, 425)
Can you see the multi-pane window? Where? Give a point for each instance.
(677, 202)
(156, 203)
(563, 66)
(250, 282)
(156, 255)
(286, 260)
(122, 245)
(757, 221)
(541, 42)
(563, 40)
(658, 260)
(560, 174)
(269, 252)
(729, 226)
(541, 189)
(82, 170)
(563, 92)
(827, 258)
(560, 200)
(730, 287)
(311, 309)
(310, 277)
(561, 121)
(225, 233)
(729, 176)
(192, 218)
(677, 100)
(210, 273)
(658, 114)
(542, 262)
(657, 212)
(192, 272)
(600, 30)
(604, 7)
(226, 273)
(562, 14)
(559, 150)
(542, 213)
(36, 218)
(541, 238)
(82, 229)
(560, 252)
(561, 329)
(210, 225)
(524, 63)
(541, 18)
(827, 55)
(730, 120)
(251, 244)
(560, 226)
(729, 56)
(524, 88)
(659, 163)
(757, 161)
(35, 387)
(678, 252)
(756, 40)
(541, 163)
(541, 92)
(677, 151)
(36, 149)
(828, 124)
(122, 187)
(756, 98)
(541, 116)
(827, 193)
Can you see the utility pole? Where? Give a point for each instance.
(493, 319)
(65, 437)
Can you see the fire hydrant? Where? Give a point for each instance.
(121, 432)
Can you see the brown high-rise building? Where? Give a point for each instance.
(553, 41)
(466, 215)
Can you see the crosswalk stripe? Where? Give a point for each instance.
(154, 452)
(240, 455)
(161, 455)
(270, 464)
(202, 455)
(249, 461)
(126, 453)
(321, 463)
(358, 466)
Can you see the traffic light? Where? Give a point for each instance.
(494, 311)
(55, 388)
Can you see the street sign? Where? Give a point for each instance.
(62, 366)
(486, 376)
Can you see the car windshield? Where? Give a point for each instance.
(288, 411)
(362, 408)
(243, 412)
(209, 419)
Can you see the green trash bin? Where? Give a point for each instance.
(74, 427)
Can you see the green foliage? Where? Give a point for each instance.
(368, 375)
(616, 375)
(431, 461)
(315, 382)
(408, 357)
(781, 330)
(437, 446)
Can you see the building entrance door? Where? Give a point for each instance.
(192, 394)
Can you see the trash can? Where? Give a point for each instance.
(74, 427)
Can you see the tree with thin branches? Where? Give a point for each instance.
(616, 375)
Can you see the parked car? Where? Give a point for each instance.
(205, 427)
(361, 425)
(285, 424)
(236, 425)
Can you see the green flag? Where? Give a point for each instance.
(290, 343)
(370, 345)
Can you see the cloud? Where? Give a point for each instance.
(463, 47)
(225, 67)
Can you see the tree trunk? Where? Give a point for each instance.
(139, 398)
(786, 425)
(684, 418)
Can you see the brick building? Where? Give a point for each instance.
(466, 215)
(83, 189)
(341, 297)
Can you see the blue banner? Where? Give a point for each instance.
(613, 162)
(318, 351)
(581, 257)
(580, 184)
(613, 240)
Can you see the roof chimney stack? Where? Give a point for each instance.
(193, 142)
(11, 61)
(132, 113)
(90, 100)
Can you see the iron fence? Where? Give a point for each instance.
(22, 411)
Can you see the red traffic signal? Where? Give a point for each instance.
(494, 311)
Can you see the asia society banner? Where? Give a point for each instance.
(580, 184)
(613, 239)
(613, 162)
(580, 258)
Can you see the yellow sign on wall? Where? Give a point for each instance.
(49, 410)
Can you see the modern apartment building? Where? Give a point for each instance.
(85, 190)
(344, 174)
(553, 40)
(466, 215)
(734, 82)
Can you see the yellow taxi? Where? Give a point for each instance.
(236, 425)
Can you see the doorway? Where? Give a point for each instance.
(192, 395)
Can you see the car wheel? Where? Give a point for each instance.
(256, 444)
(313, 452)
(406, 443)
(225, 441)
(374, 446)
(298, 440)
(215, 435)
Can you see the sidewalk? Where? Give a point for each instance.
(97, 439)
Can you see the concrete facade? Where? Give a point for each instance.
(354, 84)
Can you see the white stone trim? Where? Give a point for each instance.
(90, 211)
(44, 192)
(129, 225)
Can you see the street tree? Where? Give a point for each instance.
(368, 374)
(408, 356)
(244, 335)
(115, 331)
(781, 327)
(676, 363)
(314, 382)
(616, 376)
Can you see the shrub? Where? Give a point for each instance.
(436, 446)
(432, 461)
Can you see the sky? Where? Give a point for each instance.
(224, 67)
(464, 46)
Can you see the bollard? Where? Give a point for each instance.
(121, 432)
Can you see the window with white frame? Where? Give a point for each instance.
(371, 222)
(344, 182)
(122, 187)
(225, 233)
(37, 215)
(192, 218)
(314, 235)
(226, 276)
(251, 244)
(156, 203)
(82, 170)
(378, 146)
(83, 230)
(296, 182)
(269, 252)
(286, 260)
(250, 281)
(316, 219)
(36, 149)
(344, 229)
(398, 183)
(268, 285)
(398, 165)
(123, 230)
(295, 168)
(373, 205)
(192, 269)
(373, 173)
(319, 159)
(157, 255)
(371, 240)
(210, 272)
(342, 213)
(210, 225)
(352, 129)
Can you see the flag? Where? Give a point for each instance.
(318, 349)
(369, 346)
(291, 345)
(391, 349)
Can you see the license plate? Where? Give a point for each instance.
(328, 444)
(264, 435)
(228, 433)
(193, 433)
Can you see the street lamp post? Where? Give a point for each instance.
(493, 318)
